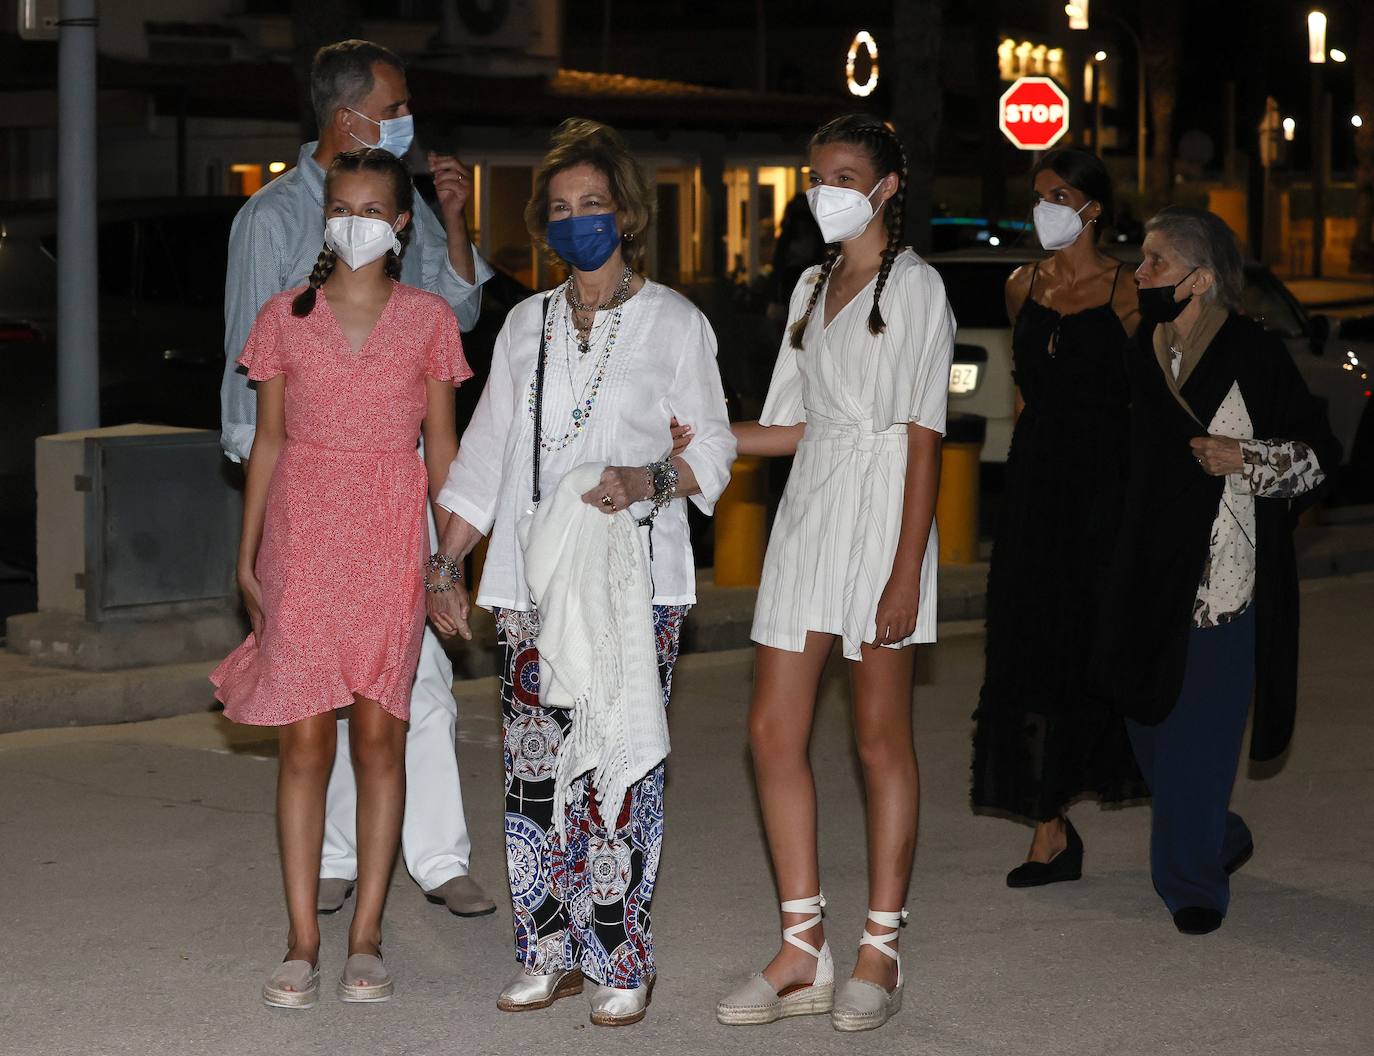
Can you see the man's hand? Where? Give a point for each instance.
(453, 185)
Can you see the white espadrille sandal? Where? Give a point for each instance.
(757, 1002)
(861, 1005)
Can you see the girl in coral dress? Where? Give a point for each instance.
(349, 370)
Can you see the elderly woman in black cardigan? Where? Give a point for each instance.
(1225, 436)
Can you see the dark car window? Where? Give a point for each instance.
(1267, 302)
(185, 258)
(977, 291)
(28, 279)
(117, 245)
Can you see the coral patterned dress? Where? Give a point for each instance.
(344, 537)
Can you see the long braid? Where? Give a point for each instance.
(304, 303)
(832, 254)
(393, 258)
(894, 216)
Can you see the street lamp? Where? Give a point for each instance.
(1289, 128)
(1336, 55)
(1316, 58)
(1357, 120)
(1316, 36)
(1078, 14)
(1098, 59)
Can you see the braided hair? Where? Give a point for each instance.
(884, 149)
(370, 160)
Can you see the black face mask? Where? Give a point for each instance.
(1157, 304)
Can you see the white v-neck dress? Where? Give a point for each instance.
(835, 536)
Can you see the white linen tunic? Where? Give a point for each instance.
(835, 537)
(663, 364)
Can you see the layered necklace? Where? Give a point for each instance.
(618, 296)
(583, 403)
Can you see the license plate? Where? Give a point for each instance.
(963, 377)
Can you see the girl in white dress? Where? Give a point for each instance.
(858, 394)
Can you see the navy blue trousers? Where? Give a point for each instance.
(1189, 761)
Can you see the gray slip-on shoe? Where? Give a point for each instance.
(333, 894)
(463, 897)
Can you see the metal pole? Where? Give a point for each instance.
(1097, 107)
(1318, 173)
(1139, 118)
(78, 340)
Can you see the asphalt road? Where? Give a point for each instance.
(141, 905)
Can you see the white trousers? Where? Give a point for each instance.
(434, 831)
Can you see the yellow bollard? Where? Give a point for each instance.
(741, 522)
(956, 508)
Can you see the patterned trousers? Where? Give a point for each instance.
(583, 902)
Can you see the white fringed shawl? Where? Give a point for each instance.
(589, 579)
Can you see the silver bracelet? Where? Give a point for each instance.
(448, 570)
(664, 476)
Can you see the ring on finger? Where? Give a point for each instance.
(606, 501)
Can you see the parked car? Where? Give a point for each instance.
(1334, 365)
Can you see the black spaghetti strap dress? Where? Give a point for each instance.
(1043, 734)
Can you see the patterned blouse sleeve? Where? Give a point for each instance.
(446, 361)
(1277, 469)
(262, 352)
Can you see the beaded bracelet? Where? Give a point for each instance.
(664, 476)
(446, 569)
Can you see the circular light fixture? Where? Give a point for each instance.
(1289, 127)
(1101, 56)
(1336, 55)
(862, 39)
(276, 167)
(1357, 120)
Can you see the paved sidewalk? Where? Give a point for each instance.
(142, 907)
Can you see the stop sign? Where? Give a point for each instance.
(1033, 113)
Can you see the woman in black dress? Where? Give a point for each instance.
(1044, 735)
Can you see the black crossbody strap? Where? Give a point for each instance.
(539, 396)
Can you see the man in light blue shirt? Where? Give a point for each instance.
(361, 100)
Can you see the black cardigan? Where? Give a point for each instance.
(1166, 528)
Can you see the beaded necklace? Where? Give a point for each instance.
(583, 405)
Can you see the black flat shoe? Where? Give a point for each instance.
(1066, 865)
(1240, 858)
(1198, 920)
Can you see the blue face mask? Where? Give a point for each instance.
(584, 242)
(396, 133)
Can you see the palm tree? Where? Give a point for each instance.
(1362, 248)
(917, 104)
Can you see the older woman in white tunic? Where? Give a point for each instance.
(858, 394)
(584, 383)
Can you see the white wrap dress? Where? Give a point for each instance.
(835, 536)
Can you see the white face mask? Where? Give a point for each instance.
(842, 213)
(1057, 225)
(359, 240)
